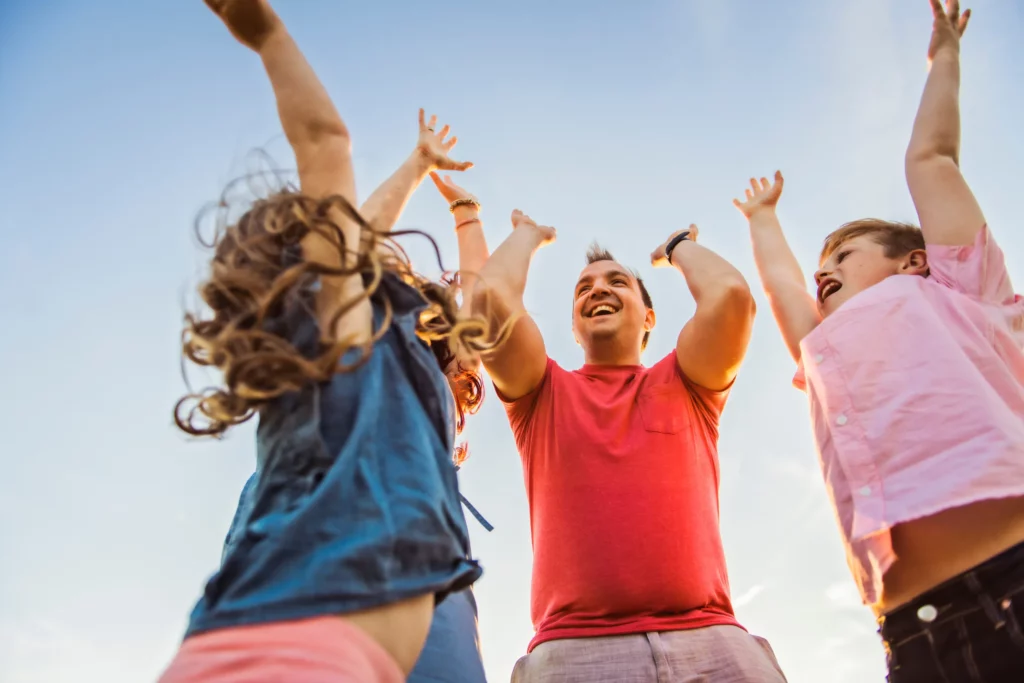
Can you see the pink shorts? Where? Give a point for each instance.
(319, 650)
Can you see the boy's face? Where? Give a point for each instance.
(856, 265)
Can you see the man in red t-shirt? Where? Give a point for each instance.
(621, 470)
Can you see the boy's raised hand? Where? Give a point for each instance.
(762, 195)
(949, 26)
(250, 21)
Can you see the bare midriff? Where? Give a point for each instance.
(934, 549)
(401, 628)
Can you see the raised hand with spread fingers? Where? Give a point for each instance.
(950, 24)
(433, 146)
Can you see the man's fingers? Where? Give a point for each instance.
(422, 122)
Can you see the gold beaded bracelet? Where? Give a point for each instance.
(465, 201)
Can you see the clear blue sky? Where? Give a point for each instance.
(610, 120)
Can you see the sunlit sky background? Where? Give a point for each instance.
(611, 120)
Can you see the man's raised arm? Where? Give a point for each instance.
(712, 344)
(517, 366)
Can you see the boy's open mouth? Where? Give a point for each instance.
(827, 288)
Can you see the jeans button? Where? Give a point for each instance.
(927, 614)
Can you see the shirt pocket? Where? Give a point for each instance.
(660, 409)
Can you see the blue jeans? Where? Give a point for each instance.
(967, 629)
(452, 652)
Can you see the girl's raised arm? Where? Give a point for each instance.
(322, 148)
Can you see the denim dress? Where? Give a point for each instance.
(452, 651)
(355, 500)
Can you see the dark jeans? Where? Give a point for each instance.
(966, 629)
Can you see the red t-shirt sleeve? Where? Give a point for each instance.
(521, 410)
(707, 404)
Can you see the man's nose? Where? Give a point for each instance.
(821, 274)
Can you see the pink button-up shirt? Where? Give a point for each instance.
(916, 388)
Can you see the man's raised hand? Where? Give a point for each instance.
(520, 221)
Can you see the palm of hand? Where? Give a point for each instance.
(761, 195)
(449, 190)
(250, 21)
(434, 148)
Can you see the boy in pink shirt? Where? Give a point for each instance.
(911, 356)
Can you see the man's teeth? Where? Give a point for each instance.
(829, 289)
(602, 309)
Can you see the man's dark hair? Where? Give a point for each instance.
(597, 253)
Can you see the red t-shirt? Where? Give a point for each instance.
(621, 469)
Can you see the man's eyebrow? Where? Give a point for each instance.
(584, 280)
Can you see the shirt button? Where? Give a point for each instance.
(866, 491)
(927, 614)
(841, 420)
(819, 358)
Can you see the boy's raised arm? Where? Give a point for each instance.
(795, 310)
(946, 207)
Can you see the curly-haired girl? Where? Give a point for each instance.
(320, 327)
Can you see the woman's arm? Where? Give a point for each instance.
(469, 230)
(388, 201)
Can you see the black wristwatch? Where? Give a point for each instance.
(674, 242)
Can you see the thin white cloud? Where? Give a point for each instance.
(747, 596)
(844, 595)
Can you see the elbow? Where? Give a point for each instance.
(331, 135)
(322, 135)
(489, 299)
(734, 296)
(923, 156)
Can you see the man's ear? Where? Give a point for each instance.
(915, 263)
(649, 320)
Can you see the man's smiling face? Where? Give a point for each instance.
(608, 305)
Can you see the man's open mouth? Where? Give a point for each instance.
(601, 309)
(827, 288)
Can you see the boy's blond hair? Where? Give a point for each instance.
(899, 239)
